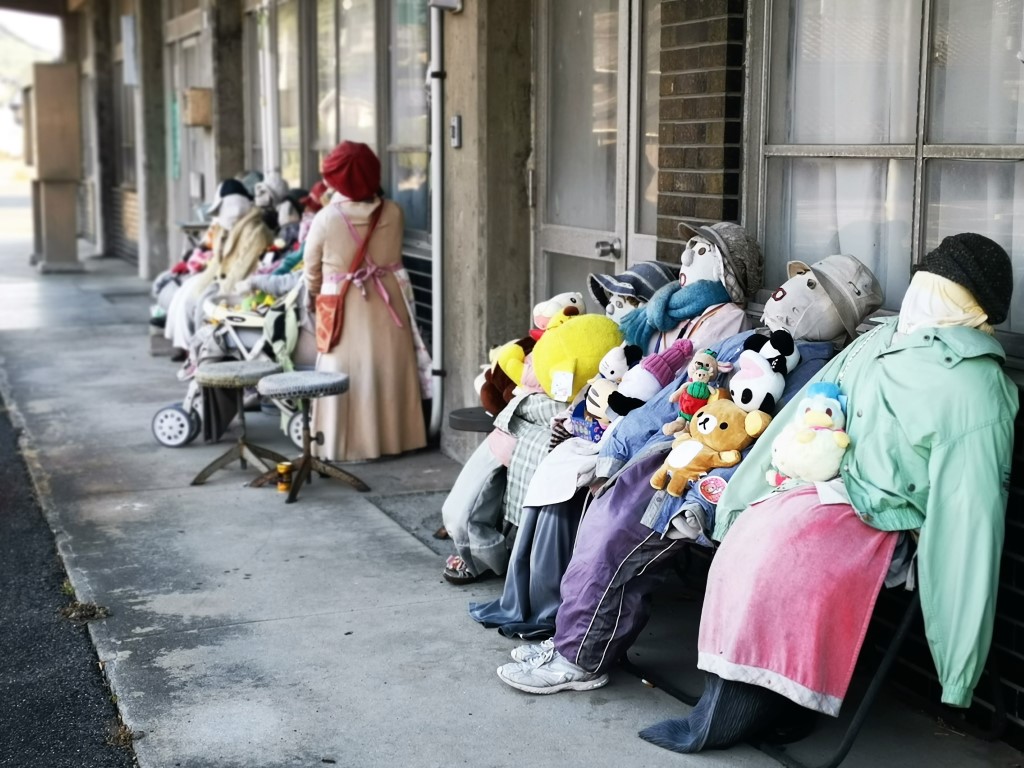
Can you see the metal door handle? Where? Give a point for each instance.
(609, 249)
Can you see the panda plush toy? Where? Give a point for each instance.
(760, 375)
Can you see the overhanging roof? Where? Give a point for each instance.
(48, 7)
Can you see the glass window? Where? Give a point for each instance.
(124, 128)
(326, 77)
(816, 207)
(253, 73)
(583, 132)
(977, 90)
(409, 140)
(357, 72)
(849, 75)
(844, 73)
(288, 96)
(649, 104)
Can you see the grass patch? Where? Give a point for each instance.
(83, 612)
(120, 735)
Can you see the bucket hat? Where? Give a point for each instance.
(851, 286)
(640, 281)
(743, 264)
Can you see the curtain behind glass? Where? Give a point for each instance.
(977, 89)
(326, 77)
(357, 72)
(844, 72)
(289, 106)
(583, 113)
(410, 116)
(647, 181)
(820, 207)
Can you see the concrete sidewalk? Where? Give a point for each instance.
(244, 632)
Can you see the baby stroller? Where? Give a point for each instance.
(268, 333)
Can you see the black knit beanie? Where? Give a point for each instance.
(978, 264)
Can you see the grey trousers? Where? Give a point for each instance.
(472, 513)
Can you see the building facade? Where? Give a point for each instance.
(571, 136)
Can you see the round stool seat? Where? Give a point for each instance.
(308, 384)
(234, 374)
(471, 420)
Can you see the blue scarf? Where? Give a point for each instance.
(668, 307)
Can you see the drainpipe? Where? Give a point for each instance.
(436, 76)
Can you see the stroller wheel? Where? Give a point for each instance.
(295, 429)
(172, 426)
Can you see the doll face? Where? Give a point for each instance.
(801, 306)
(619, 306)
(287, 213)
(700, 260)
(702, 368)
(263, 197)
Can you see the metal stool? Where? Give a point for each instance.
(304, 386)
(237, 375)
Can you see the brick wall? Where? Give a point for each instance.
(701, 113)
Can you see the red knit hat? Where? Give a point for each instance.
(353, 170)
(312, 201)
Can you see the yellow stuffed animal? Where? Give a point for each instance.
(717, 434)
(569, 353)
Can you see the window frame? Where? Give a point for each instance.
(758, 151)
(267, 88)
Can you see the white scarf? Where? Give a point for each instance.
(932, 301)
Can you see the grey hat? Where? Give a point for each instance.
(743, 270)
(639, 281)
(851, 286)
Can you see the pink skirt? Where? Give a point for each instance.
(790, 595)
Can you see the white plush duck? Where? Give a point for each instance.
(811, 448)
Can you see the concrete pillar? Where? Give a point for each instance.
(228, 88)
(151, 141)
(70, 25)
(487, 215)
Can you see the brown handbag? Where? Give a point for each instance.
(330, 310)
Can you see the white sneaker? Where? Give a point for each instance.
(549, 673)
(527, 654)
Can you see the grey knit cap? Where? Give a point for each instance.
(743, 270)
(639, 281)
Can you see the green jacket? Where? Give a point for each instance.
(931, 423)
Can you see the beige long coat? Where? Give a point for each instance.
(382, 412)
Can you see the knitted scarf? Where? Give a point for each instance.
(668, 307)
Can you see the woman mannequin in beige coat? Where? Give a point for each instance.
(381, 414)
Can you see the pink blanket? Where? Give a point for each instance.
(790, 594)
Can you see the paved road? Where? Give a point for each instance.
(56, 710)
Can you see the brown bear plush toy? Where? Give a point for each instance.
(718, 433)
